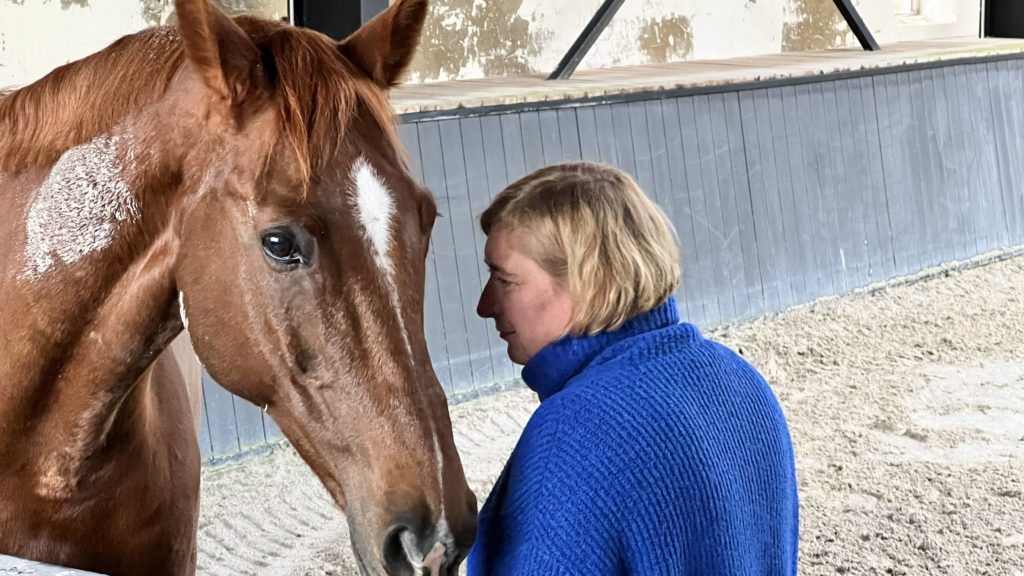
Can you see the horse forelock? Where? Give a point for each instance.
(318, 93)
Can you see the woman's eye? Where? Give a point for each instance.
(494, 274)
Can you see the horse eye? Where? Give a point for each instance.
(282, 246)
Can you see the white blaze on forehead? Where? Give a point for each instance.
(80, 206)
(375, 209)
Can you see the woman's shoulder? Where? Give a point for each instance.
(634, 357)
(666, 372)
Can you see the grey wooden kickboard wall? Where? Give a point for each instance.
(781, 194)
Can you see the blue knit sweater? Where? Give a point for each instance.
(653, 451)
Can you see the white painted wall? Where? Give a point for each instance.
(717, 29)
(38, 35)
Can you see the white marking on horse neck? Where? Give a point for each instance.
(375, 209)
(80, 207)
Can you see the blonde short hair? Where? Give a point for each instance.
(590, 226)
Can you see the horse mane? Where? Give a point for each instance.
(318, 93)
(78, 101)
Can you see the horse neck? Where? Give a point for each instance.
(90, 320)
(74, 102)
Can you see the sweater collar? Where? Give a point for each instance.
(554, 365)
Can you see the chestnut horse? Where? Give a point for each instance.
(240, 179)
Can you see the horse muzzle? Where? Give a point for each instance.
(407, 551)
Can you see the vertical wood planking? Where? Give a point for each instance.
(691, 297)
(586, 127)
(497, 178)
(569, 134)
(625, 158)
(756, 174)
(533, 140)
(479, 198)
(708, 273)
(792, 227)
(550, 135)
(249, 424)
(221, 414)
(885, 263)
(727, 269)
(605, 122)
(802, 191)
(639, 136)
(813, 150)
(446, 259)
(460, 219)
(205, 445)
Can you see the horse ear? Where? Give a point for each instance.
(385, 45)
(221, 52)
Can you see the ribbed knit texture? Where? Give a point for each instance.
(653, 451)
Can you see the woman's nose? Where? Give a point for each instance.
(485, 306)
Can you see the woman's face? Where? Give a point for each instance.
(530, 308)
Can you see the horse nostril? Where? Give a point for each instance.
(406, 553)
(400, 552)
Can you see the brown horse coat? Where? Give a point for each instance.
(242, 176)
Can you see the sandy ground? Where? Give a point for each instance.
(906, 405)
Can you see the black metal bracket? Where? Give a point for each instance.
(335, 18)
(1004, 18)
(608, 8)
(853, 19)
(586, 39)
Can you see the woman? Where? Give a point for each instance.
(654, 450)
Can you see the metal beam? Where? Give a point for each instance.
(335, 18)
(586, 39)
(853, 19)
(1004, 18)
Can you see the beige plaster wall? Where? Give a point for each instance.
(39, 35)
(482, 38)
